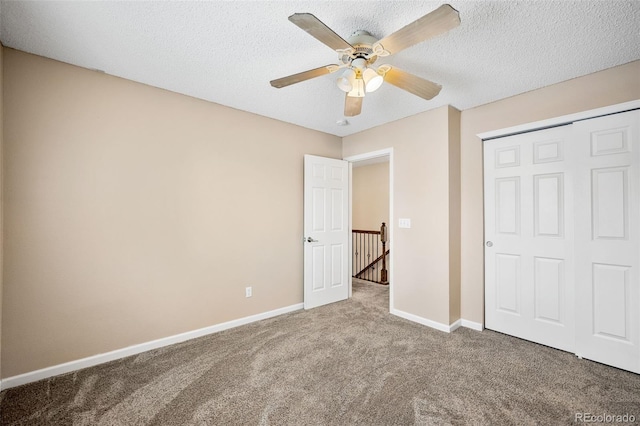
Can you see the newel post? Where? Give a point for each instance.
(383, 238)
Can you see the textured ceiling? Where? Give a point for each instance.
(227, 52)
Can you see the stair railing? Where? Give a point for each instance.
(370, 255)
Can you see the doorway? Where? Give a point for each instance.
(371, 204)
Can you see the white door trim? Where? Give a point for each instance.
(558, 121)
(368, 156)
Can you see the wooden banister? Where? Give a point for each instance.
(359, 231)
(367, 244)
(372, 264)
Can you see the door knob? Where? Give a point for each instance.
(489, 244)
(311, 240)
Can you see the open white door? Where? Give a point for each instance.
(326, 230)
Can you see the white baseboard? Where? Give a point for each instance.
(472, 325)
(455, 325)
(423, 321)
(438, 326)
(67, 367)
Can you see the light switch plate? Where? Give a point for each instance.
(404, 223)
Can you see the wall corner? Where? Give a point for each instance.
(453, 122)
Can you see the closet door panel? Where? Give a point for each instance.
(529, 237)
(608, 239)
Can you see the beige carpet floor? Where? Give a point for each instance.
(346, 363)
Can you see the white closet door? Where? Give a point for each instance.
(608, 240)
(529, 270)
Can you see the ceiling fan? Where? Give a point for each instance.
(357, 56)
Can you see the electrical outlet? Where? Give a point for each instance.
(247, 292)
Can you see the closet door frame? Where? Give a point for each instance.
(560, 121)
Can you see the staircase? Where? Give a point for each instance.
(370, 255)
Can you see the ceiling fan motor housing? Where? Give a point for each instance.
(362, 43)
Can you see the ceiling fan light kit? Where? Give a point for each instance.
(346, 80)
(358, 78)
(372, 80)
(357, 55)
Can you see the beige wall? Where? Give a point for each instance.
(612, 86)
(134, 213)
(454, 214)
(421, 193)
(370, 185)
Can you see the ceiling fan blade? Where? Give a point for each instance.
(302, 76)
(411, 83)
(319, 30)
(352, 106)
(430, 25)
